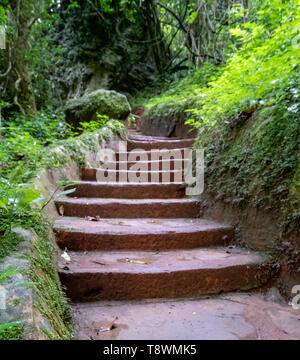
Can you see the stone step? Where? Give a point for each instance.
(169, 274)
(148, 165)
(126, 208)
(159, 144)
(139, 137)
(77, 234)
(91, 189)
(132, 176)
(244, 316)
(155, 154)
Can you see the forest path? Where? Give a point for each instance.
(140, 253)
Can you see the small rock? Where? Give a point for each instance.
(274, 295)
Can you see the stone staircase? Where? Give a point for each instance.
(148, 241)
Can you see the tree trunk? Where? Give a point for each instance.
(20, 87)
(154, 33)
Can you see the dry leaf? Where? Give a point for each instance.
(109, 327)
(152, 222)
(66, 257)
(61, 210)
(92, 218)
(134, 261)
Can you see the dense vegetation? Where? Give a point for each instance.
(247, 113)
(230, 68)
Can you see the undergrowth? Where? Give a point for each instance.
(51, 301)
(181, 96)
(247, 114)
(24, 151)
(12, 331)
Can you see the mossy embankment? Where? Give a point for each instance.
(164, 112)
(252, 181)
(40, 309)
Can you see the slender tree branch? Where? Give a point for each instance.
(174, 15)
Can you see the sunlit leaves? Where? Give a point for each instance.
(261, 69)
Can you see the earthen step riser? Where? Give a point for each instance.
(128, 191)
(132, 176)
(91, 286)
(131, 211)
(156, 154)
(148, 165)
(161, 144)
(79, 241)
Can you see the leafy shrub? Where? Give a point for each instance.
(261, 71)
(46, 125)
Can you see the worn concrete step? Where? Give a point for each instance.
(78, 234)
(159, 144)
(90, 189)
(132, 176)
(169, 274)
(125, 208)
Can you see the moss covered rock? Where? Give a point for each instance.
(104, 102)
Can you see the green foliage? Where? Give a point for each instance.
(25, 138)
(4, 6)
(258, 164)
(261, 71)
(9, 241)
(7, 273)
(21, 156)
(190, 87)
(16, 199)
(12, 331)
(93, 125)
(106, 5)
(250, 160)
(181, 95)
(46, 125)
(51, 300)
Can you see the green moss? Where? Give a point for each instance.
(12, 331)
(255, 162)
(16, 302)
(76, 149)
(8, 243)
(101, 101)
(51, 301)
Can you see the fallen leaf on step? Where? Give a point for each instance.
(61, 210)
(92, 218)
(134, 261)
(66, 257)
(120, 222)
(110, 326)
